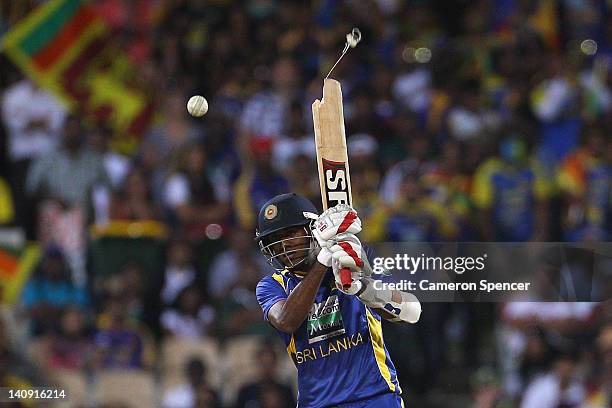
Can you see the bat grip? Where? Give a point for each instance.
(345, 278)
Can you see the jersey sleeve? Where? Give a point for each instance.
(269, 291)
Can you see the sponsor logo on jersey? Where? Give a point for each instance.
(325, 320)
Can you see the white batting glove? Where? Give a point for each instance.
(336, 220)
(347, 252)
(355, 276)
(325, 257)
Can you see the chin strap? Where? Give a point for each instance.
(408, 309)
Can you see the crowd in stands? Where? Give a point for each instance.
(466, 121)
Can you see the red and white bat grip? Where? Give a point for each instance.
(345, 278)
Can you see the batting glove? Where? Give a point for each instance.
(325, 256)
(347, 252)
(334, 221)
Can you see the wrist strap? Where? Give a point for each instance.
(364, 285)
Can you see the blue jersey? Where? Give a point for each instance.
(339, 350)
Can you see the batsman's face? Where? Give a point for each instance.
(291, 245)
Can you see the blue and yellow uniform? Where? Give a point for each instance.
(338, 351)
(511, 193)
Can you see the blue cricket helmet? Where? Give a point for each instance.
(284, 211)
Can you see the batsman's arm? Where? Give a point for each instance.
(287, 315)
(392, 305)
(396, 296)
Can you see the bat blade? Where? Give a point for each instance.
(330, 141)
(332, 155)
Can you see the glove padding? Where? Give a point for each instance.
(333, 221)
(347, 252)
(325, 257)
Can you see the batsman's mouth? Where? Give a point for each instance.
(296, 255)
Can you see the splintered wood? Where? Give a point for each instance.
(330, 141)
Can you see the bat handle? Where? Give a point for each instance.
(345, 278)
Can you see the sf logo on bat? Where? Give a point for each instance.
(336, 183)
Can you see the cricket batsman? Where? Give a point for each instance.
(333, 335)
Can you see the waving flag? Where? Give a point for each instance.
(67, 48)
(16, 266)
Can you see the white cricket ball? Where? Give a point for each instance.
(197, 106)
(588, 47)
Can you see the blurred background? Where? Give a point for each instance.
(127, 265)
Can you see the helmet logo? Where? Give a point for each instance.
(270, 212)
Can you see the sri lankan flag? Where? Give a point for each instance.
(65, 47)
(16, 266)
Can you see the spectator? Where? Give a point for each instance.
(295, 142)
(411, 89)
(175, 131)
(414, 217)
(585, 178)
(449, 185)
(33, 120)
(555, 102)
(134, 201)
(559, 387)
(225, 269)
(365, 175)
(487, 392)
(264, 113)
(523, 354)
(50, 292)
(535, 357)
(238, 312)
(467, 120)
(191, 196)
(70, 347)
(120, 342)
(418, 150)
(33, 129)
(129, 284)
(594, 82)
(303, 177)
(257, 184)
(509, 188)
(180, 271)
(363, 149)
(362, 116)
(190, 316)
(266, 388)
(63, 180)
(116, 165)
(68, 175)
(196, 392)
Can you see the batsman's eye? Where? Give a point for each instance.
(293, 232)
